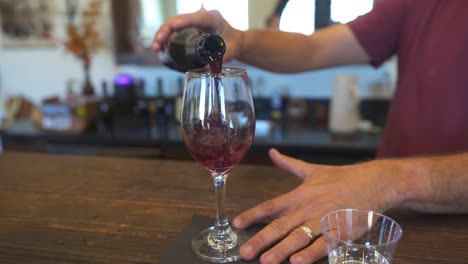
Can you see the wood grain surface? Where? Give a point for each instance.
(77, 209)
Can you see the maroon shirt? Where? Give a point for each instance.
(429, 111)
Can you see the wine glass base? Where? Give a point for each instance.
(202, 248)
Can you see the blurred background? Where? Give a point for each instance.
(79, 77)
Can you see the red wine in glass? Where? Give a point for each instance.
(218, 147)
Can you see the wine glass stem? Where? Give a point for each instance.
(220, 192)
(221, 228)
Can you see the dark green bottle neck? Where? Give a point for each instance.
(211, 48)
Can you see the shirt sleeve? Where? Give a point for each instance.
(280, 7)
(378, 31)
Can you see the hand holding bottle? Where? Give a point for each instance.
(208, 21)
(191, 49)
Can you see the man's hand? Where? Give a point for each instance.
(208, 21)
(324, 189)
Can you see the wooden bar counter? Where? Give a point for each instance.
(76, 209)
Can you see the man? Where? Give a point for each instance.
(421, 165)
(273, 21)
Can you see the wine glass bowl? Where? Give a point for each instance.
(218, 125)
(218, 119)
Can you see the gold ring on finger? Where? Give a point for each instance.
(309, 232)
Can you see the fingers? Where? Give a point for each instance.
(272, 233)
(266, 210)
(302, 246)
(311, 253)
(173, 24)
(266, 237)
(295, 241)
(295, 166)
(299, 247)
(206, 20)
(161, 38)
(279, 205)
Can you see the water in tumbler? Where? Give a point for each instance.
(356, 255)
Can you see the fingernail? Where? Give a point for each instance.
(237, 222)
(270, 258)
(296, 260)
(246, 250)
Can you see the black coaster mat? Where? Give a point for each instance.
(181, 251)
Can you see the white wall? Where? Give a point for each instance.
(259, 11)
(44, 71)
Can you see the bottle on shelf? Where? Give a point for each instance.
(169, 107)
(105, 110)
(141, 106)
(160, 99)
(105, 90)
(276, 103)
(125, 94)
(259, 85)
(191, 49)
(178, 99)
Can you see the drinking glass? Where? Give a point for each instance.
(218, 125)
(357, 236)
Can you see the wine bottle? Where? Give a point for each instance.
(191, 49)
(141, 106)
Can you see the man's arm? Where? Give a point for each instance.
(444, 180)
(429, 184)
(270, 49)
(293, 52)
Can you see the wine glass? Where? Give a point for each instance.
(218, 125)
